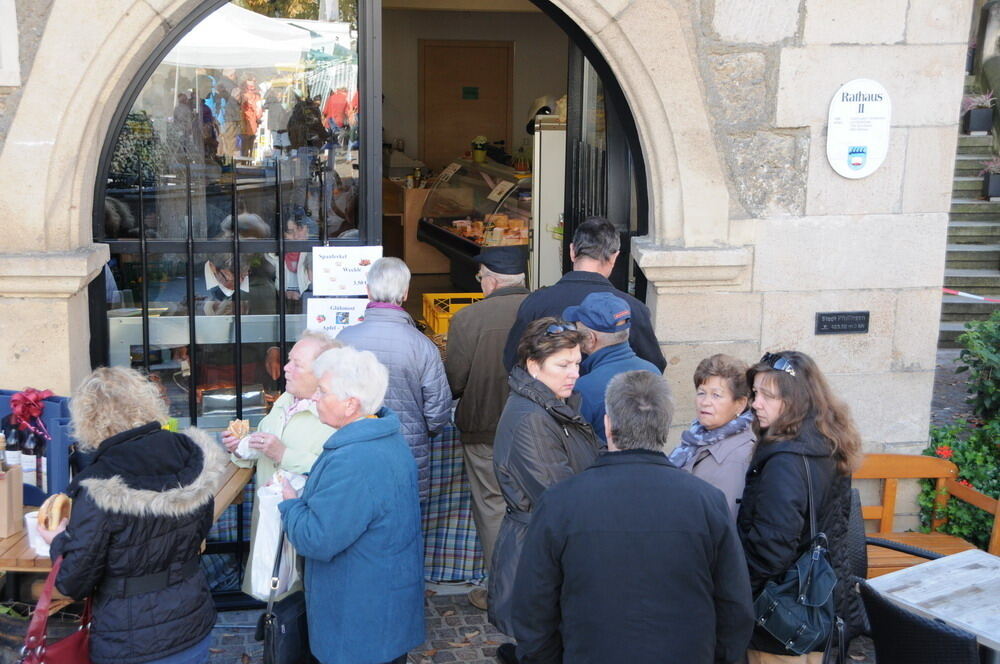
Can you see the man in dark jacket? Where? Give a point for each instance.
(632, 560)
(604, 320)
(593, 252)
(475, 371)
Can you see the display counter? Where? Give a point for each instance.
(472, 206)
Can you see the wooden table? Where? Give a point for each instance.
(16, 555)
(962, 590)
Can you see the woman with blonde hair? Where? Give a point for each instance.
(802, 427)
(141, 510)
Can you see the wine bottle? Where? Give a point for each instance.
(13, 453)
(29, 462)
(3, 452)
(41, 464)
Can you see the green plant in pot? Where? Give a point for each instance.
(977, 113)
(479, 149)
(991, 178)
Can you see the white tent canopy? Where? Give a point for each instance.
(233, 37)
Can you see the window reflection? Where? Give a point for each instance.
(245, 140)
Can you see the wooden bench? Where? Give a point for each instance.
(890, 468)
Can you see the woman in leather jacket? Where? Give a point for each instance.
(541, 439)
(141, 510)
(798, 421)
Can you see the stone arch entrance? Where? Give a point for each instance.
(53, 146)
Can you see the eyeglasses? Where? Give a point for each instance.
(778, 363)
(559, 328)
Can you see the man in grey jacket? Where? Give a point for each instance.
(478, 379)
(418, 388)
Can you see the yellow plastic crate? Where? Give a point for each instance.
(440, 307)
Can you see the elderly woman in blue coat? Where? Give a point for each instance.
(357, 522)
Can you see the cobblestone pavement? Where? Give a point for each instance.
(458, 632)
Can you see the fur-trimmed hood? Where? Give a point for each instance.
(147, 471)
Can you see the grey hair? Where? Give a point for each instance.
(641, 408)
(388, 280)
(353, 373)
(611, 338)
(505, 280)
(322, 339)
(596, 238)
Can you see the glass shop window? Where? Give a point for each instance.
(240, 152)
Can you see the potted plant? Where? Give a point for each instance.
(479, 149)
(991, 178)
(977, 112)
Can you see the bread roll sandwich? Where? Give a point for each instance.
(239, 428)
(55, 508)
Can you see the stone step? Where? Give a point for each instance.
(948, 334)
(973, 256)
(975, 206)
(985, 217)
(974, 141)
(972, 231)
(955, 309)
(967, 186)
(977, 282)
(968, 164)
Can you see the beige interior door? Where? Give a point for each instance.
(465, 91)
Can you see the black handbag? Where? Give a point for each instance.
(798, 609)
(282, 627)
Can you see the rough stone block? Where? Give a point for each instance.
(789, 322)
(683, 358)
(887, 407)
(938, 21)
(914, 342)
(741, 88)
(854, 22)
(756, 21)
(769, 171)
(924, 81)
(708, 316)
(880, 192)
(930, 162)
(850, 253)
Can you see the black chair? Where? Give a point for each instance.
(902, 637)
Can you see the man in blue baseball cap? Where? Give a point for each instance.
(605, 320)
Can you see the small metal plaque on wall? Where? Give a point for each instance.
(842, 322)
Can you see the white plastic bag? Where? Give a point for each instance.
(265, 544)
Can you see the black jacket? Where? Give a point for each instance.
(142, 507)
(632, 561)
(540, 440)
(570, 290)
(773, 521)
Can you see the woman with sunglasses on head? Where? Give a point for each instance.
(541, 439)
(798, 422)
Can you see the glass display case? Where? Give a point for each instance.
(474, 205)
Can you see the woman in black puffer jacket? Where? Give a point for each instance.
(797, 418)
(140, 513)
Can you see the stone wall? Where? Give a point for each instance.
(31, 18)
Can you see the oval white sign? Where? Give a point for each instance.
(857, 139)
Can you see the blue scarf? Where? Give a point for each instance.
(698, 437)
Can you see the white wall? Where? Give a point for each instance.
(540, 52)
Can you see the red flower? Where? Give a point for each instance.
(965, 483)
(944, 451)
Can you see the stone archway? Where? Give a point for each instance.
(49, 161)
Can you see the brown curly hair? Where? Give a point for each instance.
(808, 395)
(112, 400)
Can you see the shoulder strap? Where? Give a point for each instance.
(274, 572)
(810, 500)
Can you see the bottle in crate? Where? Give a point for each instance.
(29, 462)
